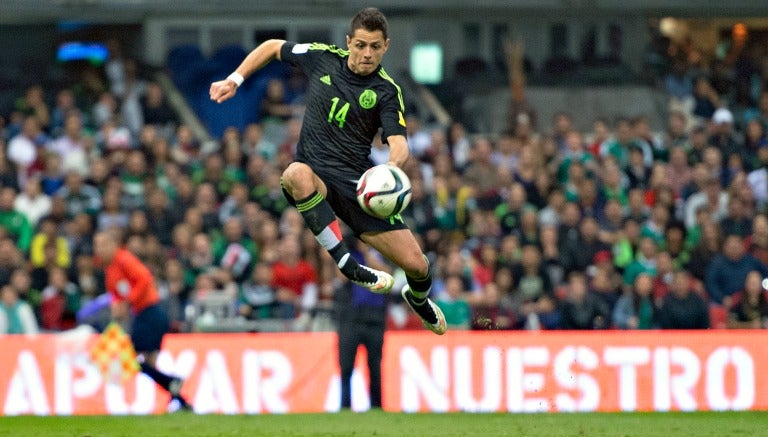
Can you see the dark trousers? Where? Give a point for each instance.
(351, 335)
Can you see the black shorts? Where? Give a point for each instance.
(148, 329)
(342, 196)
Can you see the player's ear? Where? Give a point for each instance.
(349, 41)
(386, 45)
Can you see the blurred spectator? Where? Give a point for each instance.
(14, 223)
(679, 173)
(71, 146)
(33, 103)
(105, 111)
(510, 213)
(111, 214)
(534, 292)
(727, 272)
(155, 108)
(682, 308)
(601, 132)
(459, 145)
(49, 234)
(562, 123)
(723, 136)
(174, 289)
(697, 142)
(614, 184)
(738, 220)
(200, 259)
(276, 103)
(749, 308)
(24, 148)
(16, 316)
(419, 139)
(644, 262)
(88, 279)
(574, 152)
(60, 301)
(492, 309)
(676, 133)
(8, 175)
(257, 296)
(65, 103)
(233, 251)
(582, 309)
(757, 243)
(32, 202)
(650, 144)
(620, 146)
(161, 219)
(705, 98)
(577, 255)
(185, 149)
(254, 143)
(710, 196)
(678, 84)
(79, 233)
(758, 179)
(79, 196)
(605, 285)
(294, 278)
(453, 303)
(656, 226)
(481, 175)
(635, 308)
(269, 194)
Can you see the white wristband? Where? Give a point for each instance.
(237, 78)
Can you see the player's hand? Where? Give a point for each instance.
(222, 90)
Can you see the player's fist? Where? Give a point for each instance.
(222, 90)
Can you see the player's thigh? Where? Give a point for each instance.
(299, 181)
(400, 247)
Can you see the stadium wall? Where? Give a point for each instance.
(462, 371)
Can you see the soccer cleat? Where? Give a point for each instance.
(178, 404)
(380, 283)
(431, 315)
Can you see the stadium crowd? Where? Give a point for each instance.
(541, 227)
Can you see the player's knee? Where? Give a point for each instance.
(416, 265)
(297, 176)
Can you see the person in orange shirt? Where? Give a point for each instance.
(133, 292)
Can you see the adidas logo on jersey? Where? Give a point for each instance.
(326, 79)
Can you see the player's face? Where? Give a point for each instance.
(366, 50)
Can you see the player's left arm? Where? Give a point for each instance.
(398, 150)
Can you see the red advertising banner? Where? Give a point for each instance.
(461, 371)
(577, 371)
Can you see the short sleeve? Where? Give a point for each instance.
(392, 116)
(300, 55)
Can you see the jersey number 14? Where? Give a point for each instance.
(340, 115)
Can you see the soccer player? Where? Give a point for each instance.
(133, 290)
(349, 98)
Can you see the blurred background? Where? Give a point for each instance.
(570, 160)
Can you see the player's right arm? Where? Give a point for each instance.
(259, 57)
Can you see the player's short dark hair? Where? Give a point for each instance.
(370, 19)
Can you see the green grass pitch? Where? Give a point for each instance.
(377, 423)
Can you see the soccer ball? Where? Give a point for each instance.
(383, 191)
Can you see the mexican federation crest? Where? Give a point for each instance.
(367, 99)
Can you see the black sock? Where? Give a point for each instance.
(420, 287)
(159, 377)
(322, 221)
